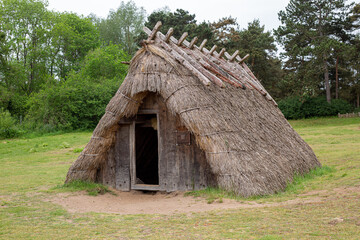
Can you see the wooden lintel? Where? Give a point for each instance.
(155, 30)
(169, 34)
(213, 49)
(202, 45)
(244, 58)
(222, 51)
(232, 58)
(192, 43)
(182, 38)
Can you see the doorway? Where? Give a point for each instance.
(146, 150)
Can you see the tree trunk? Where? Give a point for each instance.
(337, 78)
(327, 82)
(358, 100)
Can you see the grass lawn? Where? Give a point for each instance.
(32, 168)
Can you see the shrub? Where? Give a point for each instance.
(316, 107)
(291, 107)
(300, 107)
(80, 101)
(341, 106)
(8, 128)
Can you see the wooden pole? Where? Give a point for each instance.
(244, 58)
(182, 38)
(222, 52)
(232, 58)
(169, 34)
(202, 45)
(192, 43)
(212, 50)
(154, 31)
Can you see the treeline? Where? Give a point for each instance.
(58, 70)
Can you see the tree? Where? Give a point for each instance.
(25, 25)
(181, 21)
(256, 42)
(309, 38)
(123, 26)
(70, 39)
(80, 101)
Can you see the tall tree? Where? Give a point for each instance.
(70, 39)
(256, 42)
(309, 37)
(123, 26)
(24, 22)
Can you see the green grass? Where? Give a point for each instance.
(296, 186)
(29, 177)
(93, 189)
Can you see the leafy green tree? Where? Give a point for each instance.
(123, 26)
(71, 38)
(309, 38)
(24, 23)
(80, 101)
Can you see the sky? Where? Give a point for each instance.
(210, 10)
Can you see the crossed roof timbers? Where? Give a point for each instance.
(207, 65)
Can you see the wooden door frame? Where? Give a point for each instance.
(132, 141)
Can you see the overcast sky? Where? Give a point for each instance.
(244, 10)
(209, 10)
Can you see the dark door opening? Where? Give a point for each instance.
(146, 141)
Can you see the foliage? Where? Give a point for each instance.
(310, 34)
(304, 107)
(8, 128)
(181, 21)
(80, 101)
(71, 37)
(123, 26)
(291, 107)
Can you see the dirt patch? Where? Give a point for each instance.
(160, 203)
(137, 202)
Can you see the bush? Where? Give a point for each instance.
(291, 107)
(341, 106)
(80, 101)
(8, 128)
(300, 107)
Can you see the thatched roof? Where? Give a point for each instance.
(249, 144)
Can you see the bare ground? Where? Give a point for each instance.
(137, 202)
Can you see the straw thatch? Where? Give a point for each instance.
(249, 145)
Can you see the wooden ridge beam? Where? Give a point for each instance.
(169, 34)
(178, 57)
(221, 53)
(192, 43)
(244, 58)
(182, 38)
(212, 50)
(154, 31)
(202, 45)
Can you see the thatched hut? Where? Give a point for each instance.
(185, 118)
